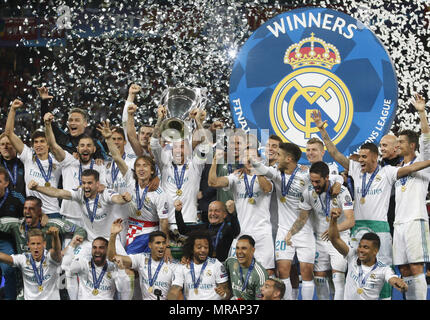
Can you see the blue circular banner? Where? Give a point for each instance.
(314, 59)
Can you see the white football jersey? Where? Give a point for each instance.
(252, 217)
(50, 277)
(100, 227)
(214, 273)
(81, 266)
(376, 277)
(411, 192)
(32, 172)
(163, 281)
(70, 169)
(377, 198)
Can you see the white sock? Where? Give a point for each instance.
(295, 293)
(321, 286)
(288, 289)
(420, 285)
(410, 294)
(339, 285)
(308, 288)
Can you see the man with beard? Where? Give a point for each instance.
(317, 202)
(77, 125)
(72, 168)
(154, 272)
(39, 268)
(39, 164)
(98, 278)
(203, 278)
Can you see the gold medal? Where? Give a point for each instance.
(196, 291)
(327, 219)
(95, 292)
(360, 290)
(138, 213)
(40, 288)
(179, 192)
(47, 184)
(362, 200)
(403, 188)
(251, 200)
(150, 289)
(283, 199)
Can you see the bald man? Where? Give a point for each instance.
(389, 147)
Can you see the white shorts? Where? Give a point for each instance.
(327, 257)
(263, 249)
(303, 244)
(411, 242)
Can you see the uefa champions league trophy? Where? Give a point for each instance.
(179, 102)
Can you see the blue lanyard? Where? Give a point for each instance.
(193, 276)
(365, 187)
(97, 281)
(249, 187)
(286, 188)
(115, 170)
(140, 200)
(326, 208)
(92, 213)
(38, 273)
(218, 235)
(248, 274)
(46, 176)
(403, 180)
(14, 174)
(362, 282)
(151, 279)
(179, 179)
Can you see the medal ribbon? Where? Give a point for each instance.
(286, 188)
(218, 235)
(179, 180)
(404, 179)
(193, 276)
(140, 200)
(326, 208)
(249, 188)
(97, 281)
(46, 176)
(362, 282)
(92, 213)
(248, 274)
(151, 279)
(115, 170)
(38, 274)
(365, 187)
(80, 170)
(14, 174)
(4, 197)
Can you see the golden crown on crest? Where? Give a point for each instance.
(305, 53)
